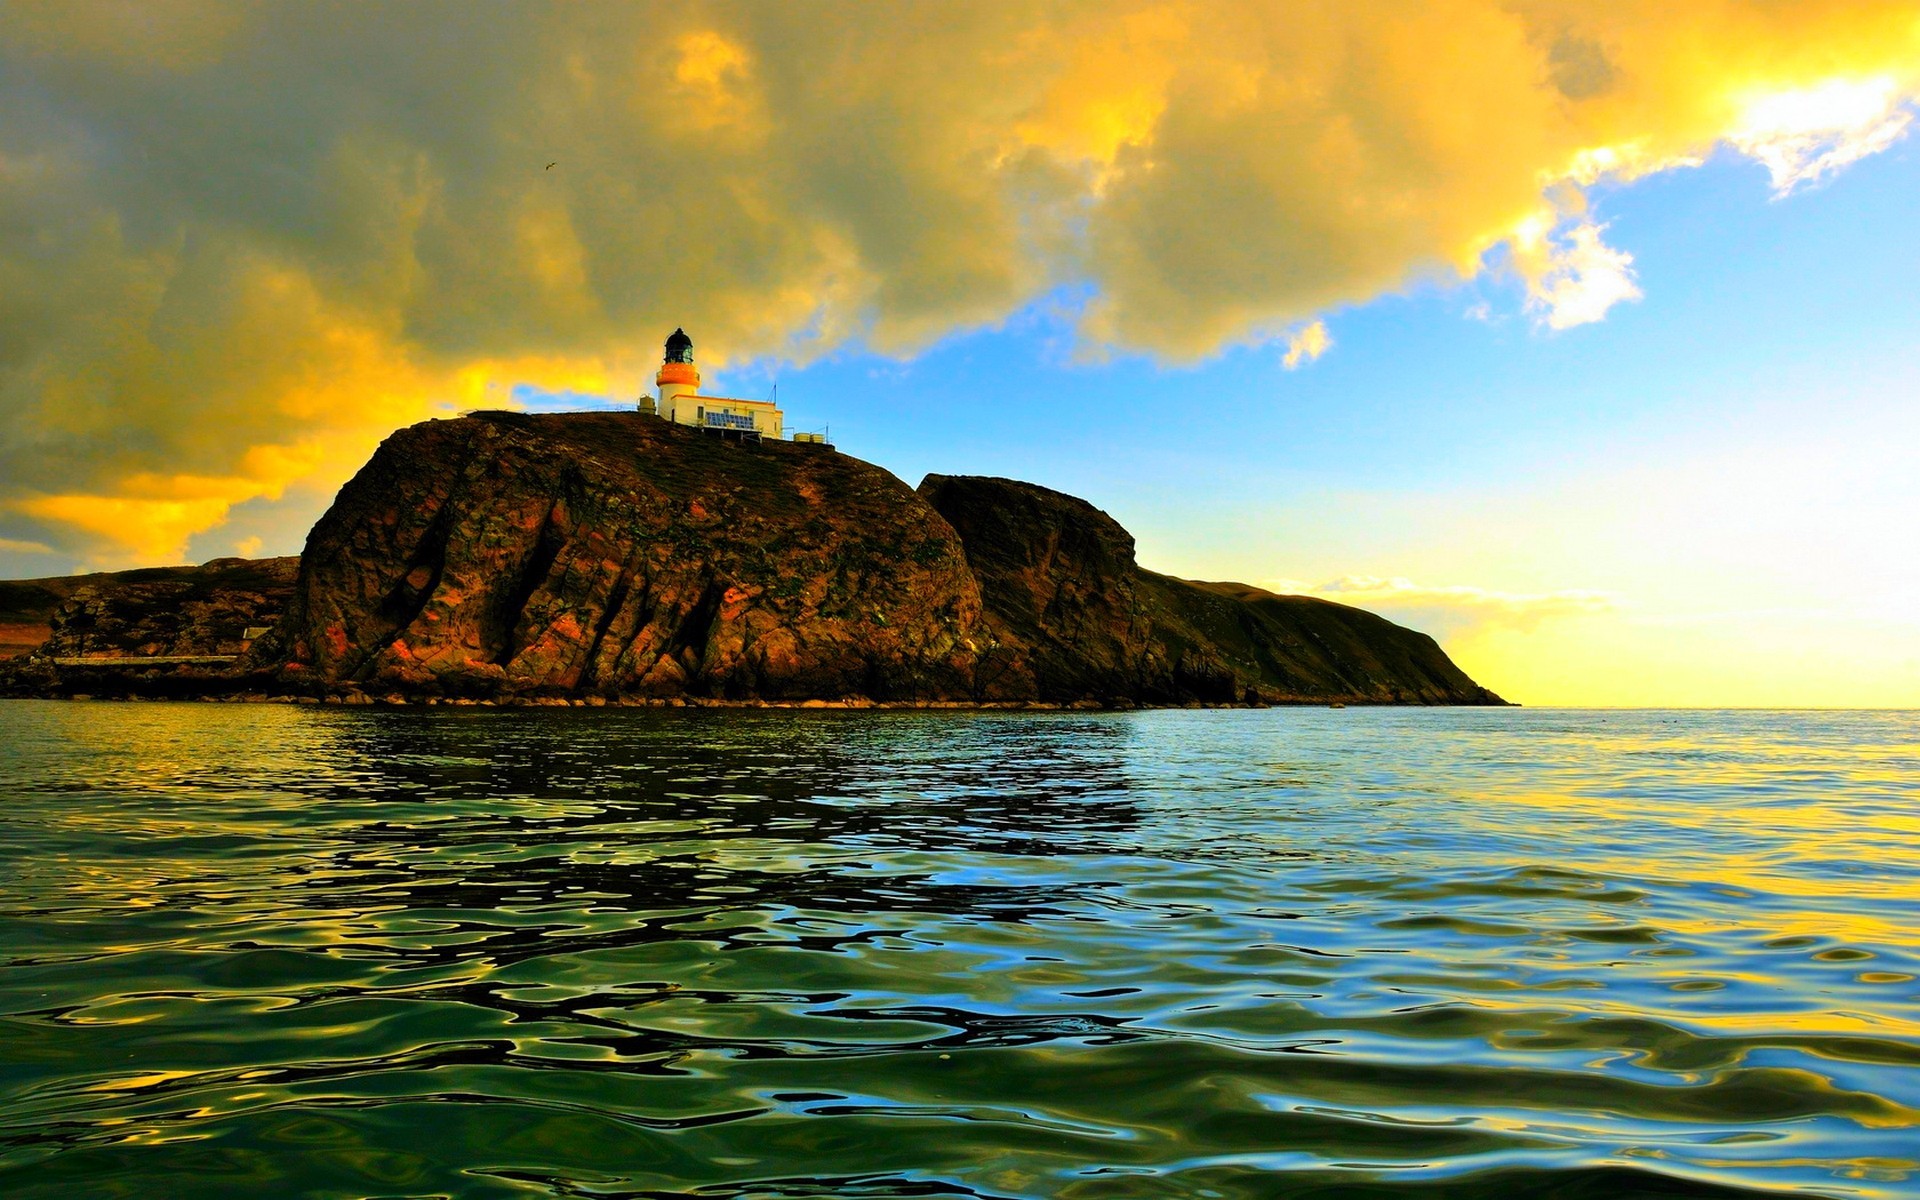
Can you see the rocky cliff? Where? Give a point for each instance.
(616, 555)
(610, 555)
(153, 611)
(1073, 615)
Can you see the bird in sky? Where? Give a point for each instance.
(552, 165)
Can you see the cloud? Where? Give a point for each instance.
(1572, 277)
(17, 546)
(1452, 611)
(1805, 134)
(1306, 344)
(239, 243)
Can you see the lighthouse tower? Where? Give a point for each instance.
(678, 376)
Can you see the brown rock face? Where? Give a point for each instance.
(612, 554)
(1074, 617)
(1059, 582)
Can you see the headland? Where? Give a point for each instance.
(610, 557)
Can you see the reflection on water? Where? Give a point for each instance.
(273, 952)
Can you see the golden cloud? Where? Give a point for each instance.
(238, 243)
(1305, 344)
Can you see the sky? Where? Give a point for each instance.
(1582, 336)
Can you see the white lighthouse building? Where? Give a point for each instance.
(680, 400)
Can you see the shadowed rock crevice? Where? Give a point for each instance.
(533, 574)
(616, 607)
(409, 595)
(687, 644)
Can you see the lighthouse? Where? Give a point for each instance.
(680, 402)
(678, 376)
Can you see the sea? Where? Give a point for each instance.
(276, 952)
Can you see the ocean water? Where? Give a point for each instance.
(260, 951)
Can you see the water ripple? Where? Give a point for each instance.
(258, 951)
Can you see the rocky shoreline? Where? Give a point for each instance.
(362, 700)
